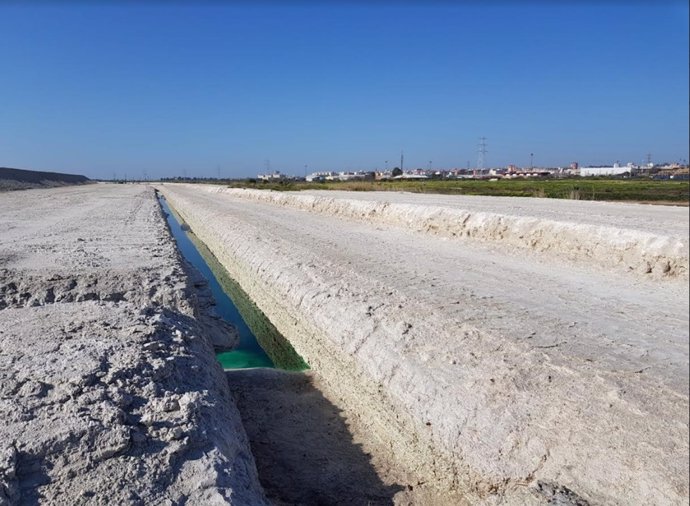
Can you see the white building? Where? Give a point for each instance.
(274, 176)
(607, 171)
(319, 176)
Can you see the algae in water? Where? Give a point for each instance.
(274, 344)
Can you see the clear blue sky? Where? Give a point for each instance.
(178, 88)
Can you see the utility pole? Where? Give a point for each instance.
(401, 161)
(481, 153)
(531, 161)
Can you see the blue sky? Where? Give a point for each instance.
(183, 89)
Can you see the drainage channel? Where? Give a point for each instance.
(305, 448)
(260, 343)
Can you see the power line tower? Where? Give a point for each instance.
(649, 159)
(481, 153)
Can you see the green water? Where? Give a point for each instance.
(260, 344)
(279, 349)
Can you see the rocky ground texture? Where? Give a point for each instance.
(512, 351)
(109, 390)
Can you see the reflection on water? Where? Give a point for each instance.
(261, 345)
(271, 341)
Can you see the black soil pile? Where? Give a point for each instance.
(20, 179)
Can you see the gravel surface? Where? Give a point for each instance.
(109, 391)
(511, 374)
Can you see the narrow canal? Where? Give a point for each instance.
(260, 343)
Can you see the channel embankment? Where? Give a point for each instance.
(510, 375)
(109, 388)
(648, 240)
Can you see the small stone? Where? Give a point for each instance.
(171, 405)
(152, 346)
(175, 433)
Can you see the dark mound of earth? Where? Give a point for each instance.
(20, 179)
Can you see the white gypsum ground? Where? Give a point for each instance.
(109, 388)
(620, 237)
(509, 373)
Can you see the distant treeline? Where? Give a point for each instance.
(20, 179)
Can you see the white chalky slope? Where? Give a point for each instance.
(513, 374)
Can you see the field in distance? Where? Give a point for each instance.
(635, 190)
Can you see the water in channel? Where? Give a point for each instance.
(260, 344)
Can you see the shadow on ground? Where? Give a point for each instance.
(303, 449)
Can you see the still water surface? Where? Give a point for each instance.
(260, 344)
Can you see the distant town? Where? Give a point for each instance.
(677, 171)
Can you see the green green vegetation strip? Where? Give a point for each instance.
(274, 344)
(637, 190)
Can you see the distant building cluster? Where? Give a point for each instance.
(665, 171)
